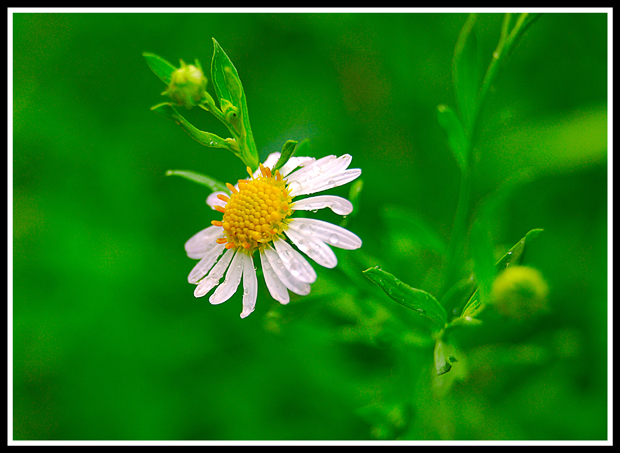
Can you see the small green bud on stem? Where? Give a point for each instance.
(520, 293)
(187, 86)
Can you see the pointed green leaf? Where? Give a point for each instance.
(204, 138)
(455, 135)
(287, 151)
(512, 257)
(225, 77)
(416, 300)
(159, 66)
(516, 253)
(458, 294)
(211, 183)
(233, 103)
(304, 148)
(467, 71)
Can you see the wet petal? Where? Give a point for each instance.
(323, 174)
(327, 232)
(314, 248)
(284, 274)
(339, 205)
(294, 262)
(205, 264)
(250, 285)
(231, 282)
(295, 162)
(311, 169)
(274, 285)
(211, 280)
(324, 182)
(203, 242)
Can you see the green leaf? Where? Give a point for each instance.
(511, 257)
(455, 135)
(416, 300)
(287, 151)
(160, 67)
(467, 71)
(458, 295)
(213, 184)
(204, 138)
(304, 148)
(516, 253)
(233, 103)
(225, 77)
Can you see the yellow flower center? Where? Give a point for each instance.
(256, 213)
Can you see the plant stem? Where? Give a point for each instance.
(458, 229)
(508, 39)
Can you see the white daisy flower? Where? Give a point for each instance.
(257, 217)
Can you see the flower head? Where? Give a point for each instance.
(258, 219)
(520, 292)
(187, 85)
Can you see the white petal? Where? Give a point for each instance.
(314, 248)
(271, 160)
(274, 285)
(213, 200)
(327, 232)
(289, 166)
(211, 280)
(203, 242)
(339, 205)
(311, 169)
(205, 264)
(295, 162)
(323, 182)
(322, 174)
(284, 275)
(231, 282)
(250, 285)
(295, 262)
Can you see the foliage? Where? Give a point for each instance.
(401, 340)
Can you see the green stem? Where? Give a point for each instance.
(504, 47)
(242, 143)
(212, 108)
(458, 229)
(506, 44)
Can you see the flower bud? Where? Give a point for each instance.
(187, 85)
(519, 293)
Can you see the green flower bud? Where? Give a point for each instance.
(187, 85)
(519, 293)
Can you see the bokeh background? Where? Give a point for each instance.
(109, 342)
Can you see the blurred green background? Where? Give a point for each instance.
(109, 342)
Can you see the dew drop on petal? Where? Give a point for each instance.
(294, 269)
